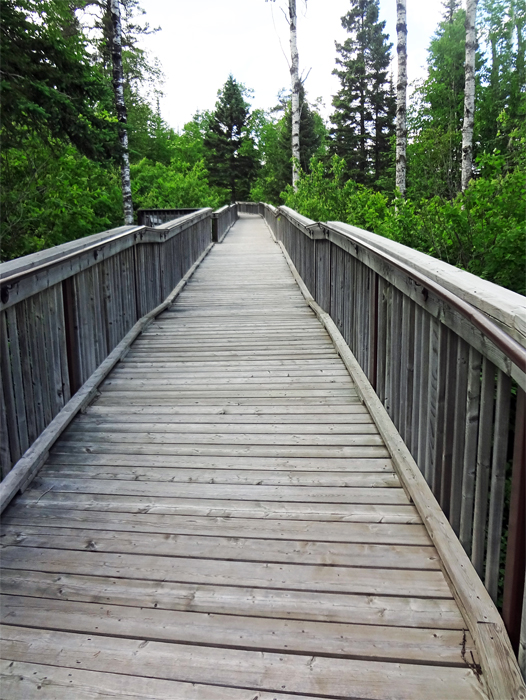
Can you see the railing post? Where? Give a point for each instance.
(214, 228)
(516, 550)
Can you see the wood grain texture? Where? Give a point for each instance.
(224, 520)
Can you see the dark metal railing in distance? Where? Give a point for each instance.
(154, 217)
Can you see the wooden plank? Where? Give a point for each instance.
(366, 434)
(339, 479)
(276, 464)
(390, 611)
(309, 577)
(44, 682)
(470, 449)
(258, 671)
(327, 639)
(307, 451)
(16, 373)
(268, 510)
(9, 404)
(483, 465)
(219, 547)
(327, 494)
(498, 483)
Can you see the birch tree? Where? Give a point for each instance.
(469, 93)
(118, 88)
(296, 88)
(401, 97)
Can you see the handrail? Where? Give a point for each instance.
(62, 312)
(14, 277)
(509, 346)
(442, 367)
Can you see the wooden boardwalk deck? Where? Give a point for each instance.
(224, 522)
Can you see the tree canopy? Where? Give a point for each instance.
(60, 150)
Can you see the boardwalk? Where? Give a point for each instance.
(224, 522)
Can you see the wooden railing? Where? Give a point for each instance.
(64, 310)
(443, 350)
(222, 221)
(445, 354)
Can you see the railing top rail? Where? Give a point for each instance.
(504, 307)
(508, 345)
(511, 348)
(34, 260)
(16, 270)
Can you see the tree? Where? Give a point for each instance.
(229, 149)
(273, 137)
(295, 89)
(364, 105)
(469, 93)
(435, 151)
(401, 96)
(118, 87)
(48, 85)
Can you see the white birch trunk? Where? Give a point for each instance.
(118, 88)
(469, 94)
(401, 97)
(296, 85)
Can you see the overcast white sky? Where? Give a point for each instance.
(202, 41)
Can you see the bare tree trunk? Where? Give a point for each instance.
(401, 97)
(118, 88)
(469, 94)
(296, 85)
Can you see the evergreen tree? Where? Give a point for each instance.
(229, 149)
(503, 90)
(365, 104)
(274, 138)
(435, 154)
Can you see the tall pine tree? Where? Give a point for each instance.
(365, 104)
(229, 149)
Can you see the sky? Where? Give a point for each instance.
(202, 41)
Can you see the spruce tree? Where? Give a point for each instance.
(365, 105)
(229, 150)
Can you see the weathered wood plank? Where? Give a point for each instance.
(259, 671)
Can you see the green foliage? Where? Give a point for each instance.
(482, 230)
(52, 194)
(178, 185)
(230, 152)
(273, 138)
(48, 85)
(365, 104)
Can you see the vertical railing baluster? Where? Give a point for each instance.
(483, 465)
(459, 428)
(498, 480)
(516, 550)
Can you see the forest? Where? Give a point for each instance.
(61, 136)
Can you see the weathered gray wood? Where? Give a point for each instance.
(470, 449)
(259, 671)
(459, 434)
(45, 682)
(498, 482)
(258, 633)
(483, 465)
(497, 659)
(390, 611)
(32, 460)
